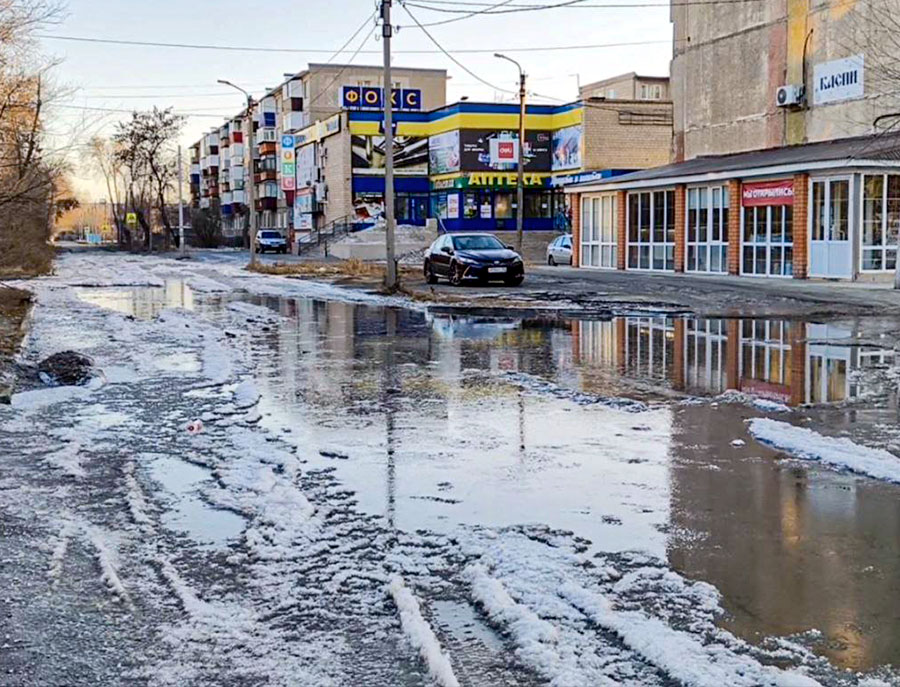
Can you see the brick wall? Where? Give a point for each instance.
(611, 144)
(680, 224)
(801, 234)
(734, 226)
(621, 229)
(575, 204)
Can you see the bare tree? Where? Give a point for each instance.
(145, 148)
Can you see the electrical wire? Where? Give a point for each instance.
(469, 14)
(113, 109)
(595, 5)
(492, 10)
(470, 51)
(450, 57)
(346, 66)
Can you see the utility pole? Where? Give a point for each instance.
(180, 206)
(251, 189)
(390, 279)
(520, 181)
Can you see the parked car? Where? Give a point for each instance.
(559, 251)
(269, 239)
(472, 257)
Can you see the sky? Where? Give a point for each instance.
(139, 77)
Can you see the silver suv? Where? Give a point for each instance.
(268, 239)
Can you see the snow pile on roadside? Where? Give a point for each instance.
(764, 404)
(835, 452)
(420, 634)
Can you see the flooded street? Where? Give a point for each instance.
(568, 501)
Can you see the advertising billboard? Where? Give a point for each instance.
(410, 155)
(307, 173)
(475, 150)
(288, 163)
(443, 153)
(567, 148)
(372, 98)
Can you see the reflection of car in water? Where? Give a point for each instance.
(472, 257)
(472, 328)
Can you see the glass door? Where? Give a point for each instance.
(768, 241)
(830, 249)
(598, 232)
(707, 230)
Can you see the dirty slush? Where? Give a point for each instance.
(264, 481)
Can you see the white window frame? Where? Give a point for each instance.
(603, 208)
(652, 243)
(708, 372)
(709, 244)
(852, 220)
(767, 244)
(885, 246)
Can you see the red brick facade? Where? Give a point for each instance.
(621, 229)
(734, 226)
(801, 234)
(680, 224)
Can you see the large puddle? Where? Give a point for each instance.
(442, 421)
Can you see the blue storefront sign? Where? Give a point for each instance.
(372, 98)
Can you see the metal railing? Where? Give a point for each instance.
(330, 233)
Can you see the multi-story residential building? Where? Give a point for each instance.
(224, 158)
(629, 86)
(784, 167)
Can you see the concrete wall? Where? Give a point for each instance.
(334, 156)
(617, 137)
(730, 59)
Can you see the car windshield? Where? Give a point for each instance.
(270, 235)
(476, 243)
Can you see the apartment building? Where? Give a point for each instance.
(784, 166)
(630, 86)
(221, 160)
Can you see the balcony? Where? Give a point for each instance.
(294, 121)
(266, 148)
(293, 89)
(267, 134)
(267, 204)
(237, 197)
(212, 161)
(265, 175)
(226, 198)
(237, 151)
(195, 168)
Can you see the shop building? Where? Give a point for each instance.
(824, 210)
(458, 163)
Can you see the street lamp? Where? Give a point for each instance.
(520, 182)
(251, 187)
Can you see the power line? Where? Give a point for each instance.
(112, 109)
(130, 96)
(453, 59)
(470, 51)
(493, 9)
(345, 67)
(602, 5)
(468, 14)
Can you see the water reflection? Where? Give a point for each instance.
(789, 362)
(142, 302)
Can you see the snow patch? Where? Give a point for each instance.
(134, 496)
(108, 560)
(41, 398)
(839, 453)
(420, 634)
(246, 395)
(67, 459)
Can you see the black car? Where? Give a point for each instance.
(472, 257)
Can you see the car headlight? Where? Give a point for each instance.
(466, 261)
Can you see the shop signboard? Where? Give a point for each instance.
(475, 150)
(503, 152)
(410, 155)
(304, 222)
(838, 80)
(491, 180)
(566, 152)
(372, 98)
(443, 153)
(761, 193)
(288, 163)
(319, 130)
(304, 202)
(307, 171)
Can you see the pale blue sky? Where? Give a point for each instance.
(109, 76)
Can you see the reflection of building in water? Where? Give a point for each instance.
(788, 362)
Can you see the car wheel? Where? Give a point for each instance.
(456, 274)
(430, 276)
(515, 281)
(551, 261)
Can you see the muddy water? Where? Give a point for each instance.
(439, 422)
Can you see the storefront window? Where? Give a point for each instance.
(470, 206)
(439, 205)
(880, 221)
(537, 204)
(598, 231)
(707, 229)
(768, 248)
(650, 215)
(503, 206)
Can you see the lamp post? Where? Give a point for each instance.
(520, 181)
(251, 187)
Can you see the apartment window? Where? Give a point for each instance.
(651, 91)
(880, 221)
(651, 230)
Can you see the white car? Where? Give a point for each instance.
(267, 239)
(559, 252)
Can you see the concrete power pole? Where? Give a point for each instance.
(181, 247)
(251, 186)
(520, 181)
(390, 280)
